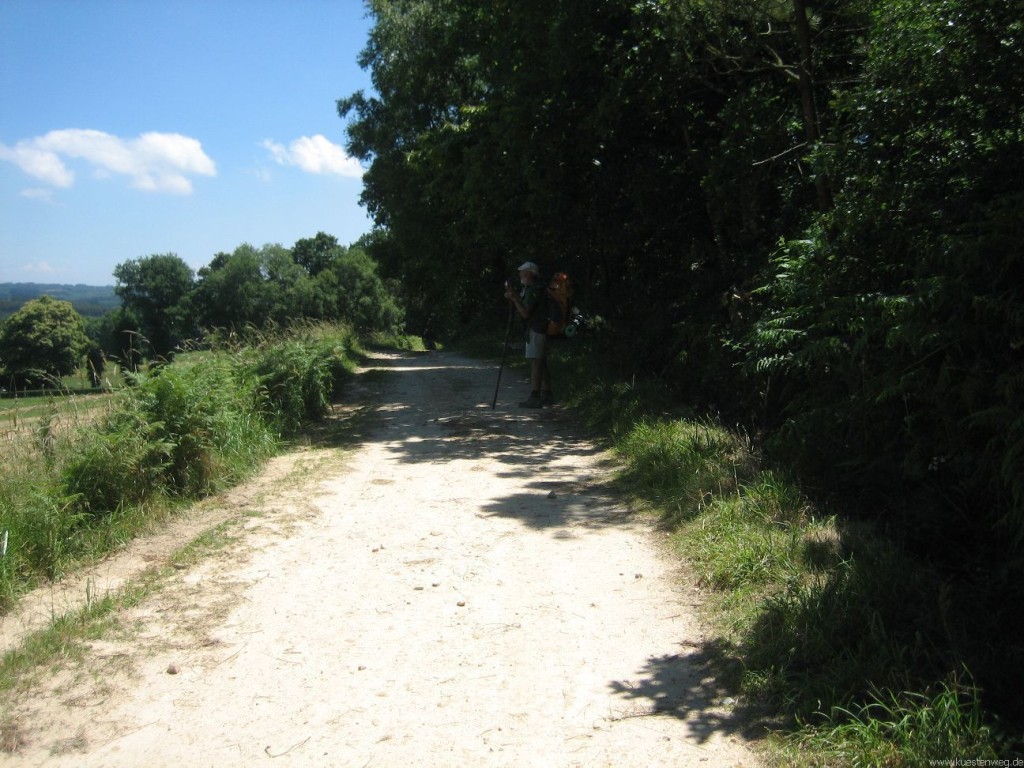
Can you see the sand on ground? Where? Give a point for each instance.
(440, 583)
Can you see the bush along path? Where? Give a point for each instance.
(437, 583)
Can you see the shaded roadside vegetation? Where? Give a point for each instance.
(73, 490)
(802, 218)
(834, 638)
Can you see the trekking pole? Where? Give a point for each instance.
(504, 350)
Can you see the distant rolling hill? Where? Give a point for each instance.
(88, 300)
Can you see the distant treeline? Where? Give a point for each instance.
(88, 300)
(160, 305)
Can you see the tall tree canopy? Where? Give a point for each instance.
(657, 151)
(230, 292)
(805, 215)
(895, 323)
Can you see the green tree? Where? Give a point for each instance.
(657, 151)
(895, 324)
(155, 288)
(41, 342)
(290, 289)
(361, 297)
(232, 292)
(119, 334)
(414, 131)
(314, 254)
(254, 288)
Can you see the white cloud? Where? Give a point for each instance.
(155, 162)
(41, 164)
(37, 193)
(40, 267)
(315, 154)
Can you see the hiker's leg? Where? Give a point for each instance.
(535, 353)
(538, 373)
(546, 396)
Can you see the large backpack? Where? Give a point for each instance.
(560, 309)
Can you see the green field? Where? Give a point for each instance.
(74, 400)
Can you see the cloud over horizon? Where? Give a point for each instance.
(315, 154)
(39, 267)
(154, 162)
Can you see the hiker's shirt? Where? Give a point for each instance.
(533, 296)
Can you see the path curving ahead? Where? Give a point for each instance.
(460, 590)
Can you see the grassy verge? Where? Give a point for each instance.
(181, 402)
(73, 489)
(845, 647)
(66, 636)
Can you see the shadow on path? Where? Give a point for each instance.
(436, 408)
(688, 686)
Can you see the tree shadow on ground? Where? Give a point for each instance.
(556, 492)
(429, 409)
(696, 685)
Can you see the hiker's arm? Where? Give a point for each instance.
(521, 308)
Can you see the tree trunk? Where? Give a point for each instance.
(809, 108)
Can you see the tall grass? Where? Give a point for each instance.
(835, 627)
(903, 729)
(301, 373)
(681, 466)
(175, 433)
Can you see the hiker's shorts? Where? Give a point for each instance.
(536, 345)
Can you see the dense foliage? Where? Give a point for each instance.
(182, 431)
(154, 288)
(804, 216)
(251, 288)
(166, 307)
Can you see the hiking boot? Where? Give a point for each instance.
(533, 401)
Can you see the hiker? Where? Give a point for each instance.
(531, 304)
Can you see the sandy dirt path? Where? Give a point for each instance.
(458, 590)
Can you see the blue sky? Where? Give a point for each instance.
(138, 127)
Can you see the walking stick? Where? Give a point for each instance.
(504, 350)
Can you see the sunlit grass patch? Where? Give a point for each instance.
(65, 638)
(731, 547)
(682, 466)
(212, 540)
(394, 341)
(26, 416)
(897, 729)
